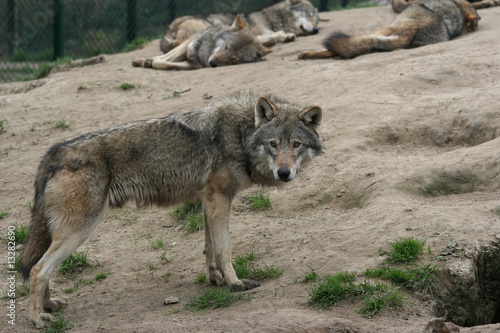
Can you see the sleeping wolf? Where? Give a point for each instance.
(278, 23)
(399, 5)
(214, 46)
(209, 154)
(429, 22)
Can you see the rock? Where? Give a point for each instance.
(171, 300)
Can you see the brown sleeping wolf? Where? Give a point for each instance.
(208, 154)
(278, 23)
(399, 5)
(428, 22)
(214, 46)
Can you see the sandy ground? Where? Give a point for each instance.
(394, 123)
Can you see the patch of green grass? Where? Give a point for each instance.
(419, 277)
(310, 277)
(70, 290)
(405, 251)
(32, 128)
(201, 278)
(21, 234)
(158, 243)
(190, 215)
(164, 257)
(331, 289)
(3, 214)
(60, 124)
(245, 269)
(126, 86)
(101, 276)
(374, 304)
(2, 126)
(259, 201)
(59, 325)
(75, 261)
(214, 298)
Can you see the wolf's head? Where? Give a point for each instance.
(285, 138)
(237, 45)
(301, 18)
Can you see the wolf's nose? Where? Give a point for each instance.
(283, 173)
(212, 63)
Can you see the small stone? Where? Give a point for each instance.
(171, 300)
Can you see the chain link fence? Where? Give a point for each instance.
(34, 32)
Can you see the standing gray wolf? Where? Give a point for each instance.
(428, 22)
(207, 154)
(278, 23)
(399, 5)
(218, 45)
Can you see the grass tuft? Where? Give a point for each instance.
(259, 201)
(75, 261)
(214, 298)
(245, 269)
(190, 215)
(405, 251)
(59, 325)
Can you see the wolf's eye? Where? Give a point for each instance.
(296, 144)
(272, 143)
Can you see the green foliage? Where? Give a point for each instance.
(60, 124)
(21, 234)
(190, 216)
(405, 250)
(137, 43)
(2, 126)
(45, 67)
(75, 261)
(101, 276)
(331, 289)
(158, 243)
(259, 201)
(245, 269)
(59, 325)
(201, 278)
(126, 86)
(310, 277)
(214, 298)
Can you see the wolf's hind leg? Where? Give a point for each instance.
(65, 240)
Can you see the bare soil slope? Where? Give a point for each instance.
(412, 150)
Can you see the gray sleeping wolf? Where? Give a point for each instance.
(278, 23)
(399, 5)
(428, 22)
(209, 154)
(218, 45)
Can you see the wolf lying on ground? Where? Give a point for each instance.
(428, 22)
(208, 154)
(399, 5)
(278, 23)
(214, 46)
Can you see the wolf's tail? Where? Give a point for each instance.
(347, 46)
(39, 238)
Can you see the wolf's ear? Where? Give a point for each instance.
(311, 116)
(263, 51)
(265, 111)
(238, 23)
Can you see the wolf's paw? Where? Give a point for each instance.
(42, 320)
(303, 55)
(138, 62)
(148, 63)
(53, 304)
(246, 285)
(288, 38)
(215, 276)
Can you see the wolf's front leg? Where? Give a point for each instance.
(217, 208)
